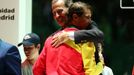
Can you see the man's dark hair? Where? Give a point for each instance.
(78, 8)
(67, 2)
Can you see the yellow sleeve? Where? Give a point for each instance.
(98, 69)
(87, 50)
(90, 67)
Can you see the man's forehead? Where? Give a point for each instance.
(58, 7)
(59, 3)
(87, 11)
(28, 46)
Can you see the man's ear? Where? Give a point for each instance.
(38, 46)
(75, 17)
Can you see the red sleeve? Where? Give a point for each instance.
(39, 67)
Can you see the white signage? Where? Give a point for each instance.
(126, 7)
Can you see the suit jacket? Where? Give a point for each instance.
(10, 61)
(91, 33)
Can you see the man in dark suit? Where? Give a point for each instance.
(90, 33)
(10, 61)
(87, 32)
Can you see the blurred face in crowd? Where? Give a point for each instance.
(31, 51)
(59, 11)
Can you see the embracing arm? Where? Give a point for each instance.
(92, 34)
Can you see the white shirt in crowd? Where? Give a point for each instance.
(107, 71)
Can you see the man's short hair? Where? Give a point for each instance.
(67, 2)
(78, 8)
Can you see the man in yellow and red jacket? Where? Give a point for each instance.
(69, 58)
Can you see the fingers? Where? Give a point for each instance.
(100, 53)
(101, 57)
(58, 44)
(55, 42)
(59, 39)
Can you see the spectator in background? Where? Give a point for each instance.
(10, 60)
(31, 45)
(107, 71)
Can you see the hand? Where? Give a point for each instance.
(100, 52)
(59, 39)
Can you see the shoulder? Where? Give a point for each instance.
(5, 46)
(70, 29)
(93, 23)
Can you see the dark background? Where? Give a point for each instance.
(116, 23)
